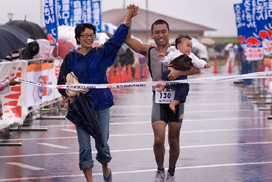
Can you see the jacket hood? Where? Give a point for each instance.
(75, 50)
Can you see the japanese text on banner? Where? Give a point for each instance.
(96, 16)
(64, 14)
(50, 19)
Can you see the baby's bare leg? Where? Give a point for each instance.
(173, 105)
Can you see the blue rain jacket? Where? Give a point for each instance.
(91, 68)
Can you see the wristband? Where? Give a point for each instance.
(126, 23)
(6, 83)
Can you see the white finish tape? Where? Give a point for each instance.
(256, 75)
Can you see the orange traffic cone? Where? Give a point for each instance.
(118, 75)
(146, 72)
(215, 68)
(125, 73)
(230, 67)
(129, 74)
(111, 75)
(137, 72)
(122, 77)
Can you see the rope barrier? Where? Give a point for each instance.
(256, 75)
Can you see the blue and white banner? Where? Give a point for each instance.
(96, 15)
(89, 11)
(77, 12)
(64, 12)
(72, 13)
(50, 19)
(260, 13)
(257, 32)
(109, 27)
(86, 11)
(268, 41)
(241, 25)
(253, 40)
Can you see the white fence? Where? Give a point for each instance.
(22, 96)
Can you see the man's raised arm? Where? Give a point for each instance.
(133, 43)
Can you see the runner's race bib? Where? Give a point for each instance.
(164, 97)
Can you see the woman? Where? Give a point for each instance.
(89, 64)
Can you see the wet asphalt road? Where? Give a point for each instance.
(223, 138)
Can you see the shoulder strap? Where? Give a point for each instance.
(149, 60)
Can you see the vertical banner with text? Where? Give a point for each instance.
(268, 42)
(241, 25)
(50, 18)
(64, 12)
(254, 49)
(96, 15)
(260, 13)
(86, 11)
(77, 12)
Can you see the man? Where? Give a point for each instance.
(161, 113)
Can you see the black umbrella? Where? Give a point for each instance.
(33, 29)
(82, 114)
(11, 39)
(219, 46)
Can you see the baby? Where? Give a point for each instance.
(180, 57)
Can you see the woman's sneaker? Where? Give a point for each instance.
(170, 178)
(160, 176)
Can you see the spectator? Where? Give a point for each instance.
(32, 49)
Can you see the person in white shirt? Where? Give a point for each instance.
(180, 58)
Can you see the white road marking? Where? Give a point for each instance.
(52, 138)
(74, 131)
(142, 149)
(25, 166)
(187, 104)
(53, 145)
(61, 125)
(221, 119)
(186, 112)
(149, 122)
(140, 134)
(141, 171)
(38, 155)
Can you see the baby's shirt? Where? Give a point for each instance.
(174, 53)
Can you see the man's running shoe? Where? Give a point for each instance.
(170, 178)
(160, 176)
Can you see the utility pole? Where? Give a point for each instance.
(147, 20)
(124, 4)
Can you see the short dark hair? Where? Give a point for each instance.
(180, 37)
(80, 28)
(158, 22)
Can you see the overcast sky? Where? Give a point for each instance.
(217, 14)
